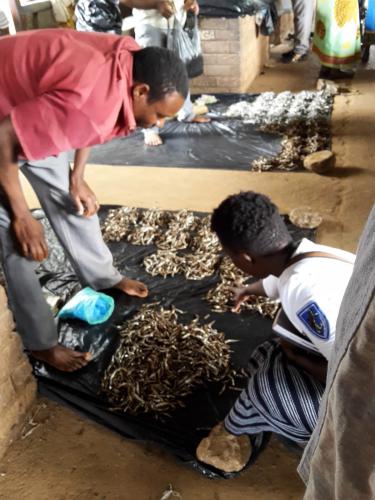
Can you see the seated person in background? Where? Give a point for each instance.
(286, 383)
(152, 19)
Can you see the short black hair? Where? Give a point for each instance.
(249, 222)
(162, 70)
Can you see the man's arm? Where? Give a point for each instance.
(27, 230)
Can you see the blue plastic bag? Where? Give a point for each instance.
(90, 306)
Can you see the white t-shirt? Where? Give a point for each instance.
(155, 19)
(311, 291)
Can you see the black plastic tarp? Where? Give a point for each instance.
(265, 10)
(232, 8)
(181, 432)
(224, 143)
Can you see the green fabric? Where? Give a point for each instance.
(337, 39)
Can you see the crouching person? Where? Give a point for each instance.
(285, 383)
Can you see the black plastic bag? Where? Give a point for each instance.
(234, 8)
(185, 42)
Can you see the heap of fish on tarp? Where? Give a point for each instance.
(303, 119)
(160, 359)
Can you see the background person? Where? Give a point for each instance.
(152, 20)
(337, 37)
(303, 13)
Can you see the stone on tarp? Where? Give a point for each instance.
(320, 162)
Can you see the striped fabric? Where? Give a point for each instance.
(279, 398)
(4, 23)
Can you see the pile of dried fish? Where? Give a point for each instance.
(169, 232)
(302, 118)
(160, 361)
(149, 227)
(187, 232)
(119, 222)
(204, 240)
(164, 263)
(192, 266)
(221, 296)
(179, 232)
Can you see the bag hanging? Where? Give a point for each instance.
(185, 42)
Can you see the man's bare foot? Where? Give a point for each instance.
(200, 119)
(152, 139)
(132, 287)
(223, 450)
(62, 358)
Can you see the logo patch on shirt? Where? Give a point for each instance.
(315, 320)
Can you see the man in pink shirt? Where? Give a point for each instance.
(63, 90)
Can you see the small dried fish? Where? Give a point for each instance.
(119, 222)
(179, 231)
(160, 361)
(164, 263)
(220, 297)
(303, 119)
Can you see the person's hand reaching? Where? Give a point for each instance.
(166, 8)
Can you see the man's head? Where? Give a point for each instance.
(252, 232)
(160, 85)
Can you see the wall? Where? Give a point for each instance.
(233, 52)
(17, 384)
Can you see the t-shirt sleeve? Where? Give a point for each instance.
(48, 125)
(270, 285)
(312, 314)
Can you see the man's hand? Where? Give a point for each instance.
(165, 8)
(192, 6)
(84, 199)
(29, 234)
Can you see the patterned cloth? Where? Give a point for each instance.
(337, 39)
(279, 397)
(4, 23)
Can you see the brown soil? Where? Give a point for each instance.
(67, 457)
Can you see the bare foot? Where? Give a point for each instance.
(132, 287)
(223, 450)
(62, 358)
(152, 139)
(201, 119)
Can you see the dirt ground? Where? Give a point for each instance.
(68, 457)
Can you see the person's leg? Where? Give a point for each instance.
(148, 36)
(25, 296)
(279, 398)
(80, 237)
(303, 17)
(303, 11)
(33, 317)
(186, 113)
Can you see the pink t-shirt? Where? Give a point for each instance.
(65, 89)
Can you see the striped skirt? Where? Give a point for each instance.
(279, 398)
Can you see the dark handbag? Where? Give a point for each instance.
(185, 42)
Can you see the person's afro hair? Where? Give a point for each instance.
(250, 222)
